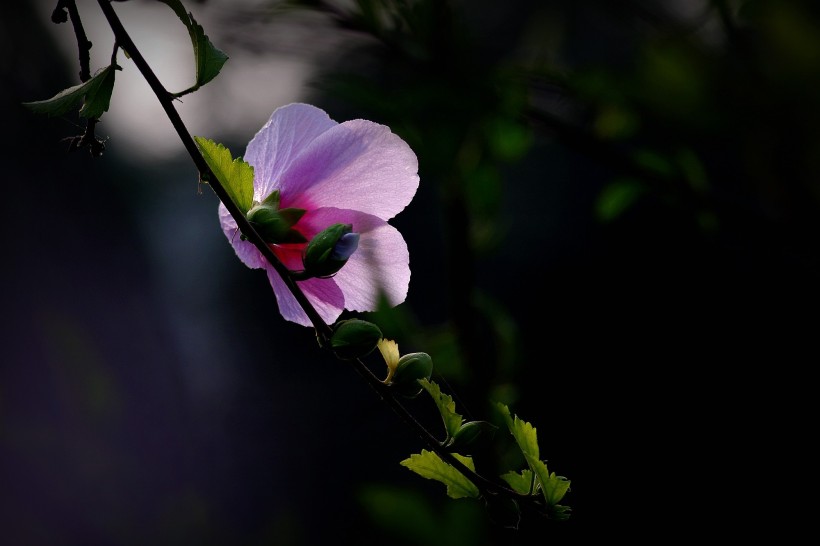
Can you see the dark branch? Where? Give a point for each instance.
(83, 45)
(323, 330)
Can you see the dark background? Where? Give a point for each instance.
(615, 233)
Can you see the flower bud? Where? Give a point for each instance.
(275, 225)
(411, 368)
(471, 436)
(329, 250)
(354, 338)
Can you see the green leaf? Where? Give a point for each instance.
(429, 465)
(178, 8)
(235, 175)
(615, 198)
(523, 432)
(209, 60)
(96, 92)
(521, 482)
(446, 406)
(553, 487)
(98, 96)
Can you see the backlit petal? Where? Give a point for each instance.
(357, 165)
(379, 266)
(324, 294)
(245, 250)
(288, 131)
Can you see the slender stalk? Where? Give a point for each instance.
(83, 45)
(166, 100)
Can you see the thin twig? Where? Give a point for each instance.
(83, 44)
(166, 100)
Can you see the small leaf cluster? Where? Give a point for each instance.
(536, 478)
(94, 94)
(410, 375)
(534, 484)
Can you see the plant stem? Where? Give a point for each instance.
(166, 100)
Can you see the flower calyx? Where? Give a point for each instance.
(274, 224)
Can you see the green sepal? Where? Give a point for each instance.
(209, 60)
(273, 199)
(428, 464)
(354, 338)
(95, 94)
(274, 225)
(235, 175)
(411, 369)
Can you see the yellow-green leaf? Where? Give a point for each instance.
(429, 465)
(446, 406)
(553, 487)
(235, 175)
(523, 432)
(522, 482)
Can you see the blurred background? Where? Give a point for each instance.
(615, 234)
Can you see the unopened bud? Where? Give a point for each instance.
(411, 368)
(329, 250)
(471, 436)
(354, 338)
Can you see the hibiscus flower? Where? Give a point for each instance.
(357, 173)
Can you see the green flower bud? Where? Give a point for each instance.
(354, 338)
(411, 368)
(275, 225)
(471, 437)
(329, 250)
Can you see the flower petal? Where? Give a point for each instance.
(380, 266)
(245, 250)
(356, 165)
(324, 294)
(288, 131)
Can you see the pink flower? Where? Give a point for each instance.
(358, 173)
